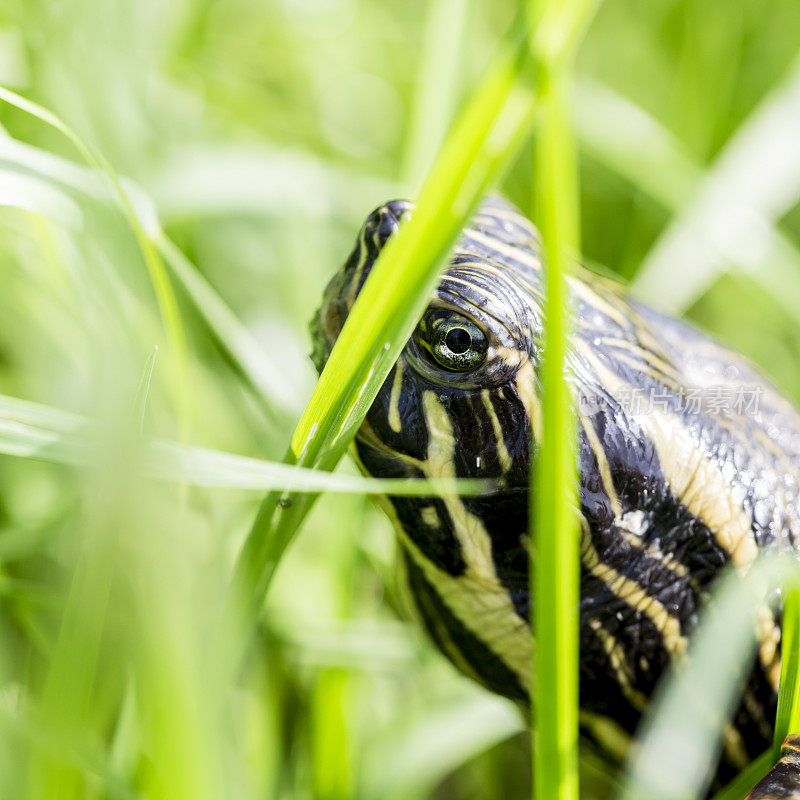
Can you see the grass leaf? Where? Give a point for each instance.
(554, 570)
(165, 297)
(626, 139)
(30, 194)
(204, 181)
(752, 183)
(787, 719)
(251, 363)
(31, 430)
(682, 731)
(630, 142)
(144, 390)
(415, 757)
(747, 778)
(396, 292)
(438, 85)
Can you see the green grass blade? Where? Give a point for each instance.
(628, 141)
(440, 74)
(402, 281)
(249, 361)
(87, 181)
(31, 194)
(416, 755)
(165, 297)
(39, 415)
(787, 719)
(747, 778)
(197, 466)
(394, 296)
(252, 364)
(682, 731)
(207, 181)
(31, 430)
(752, 183)
(554, 572)
(143, 392)
(331, 736)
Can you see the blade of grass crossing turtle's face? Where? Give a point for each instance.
(483, 138)
(787, 720)
(554, 570)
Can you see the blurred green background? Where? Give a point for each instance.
(261, 134)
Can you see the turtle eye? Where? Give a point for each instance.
(452, 341)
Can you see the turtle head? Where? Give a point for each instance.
(458, 399)
(458, 404)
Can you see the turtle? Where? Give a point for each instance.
(688, 461)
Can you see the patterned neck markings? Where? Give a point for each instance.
(502, 451)
(476, 598)
(394, 398)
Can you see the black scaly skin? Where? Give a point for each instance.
(668, 495)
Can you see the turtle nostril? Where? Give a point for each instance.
(386, 220)
(398, 208)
